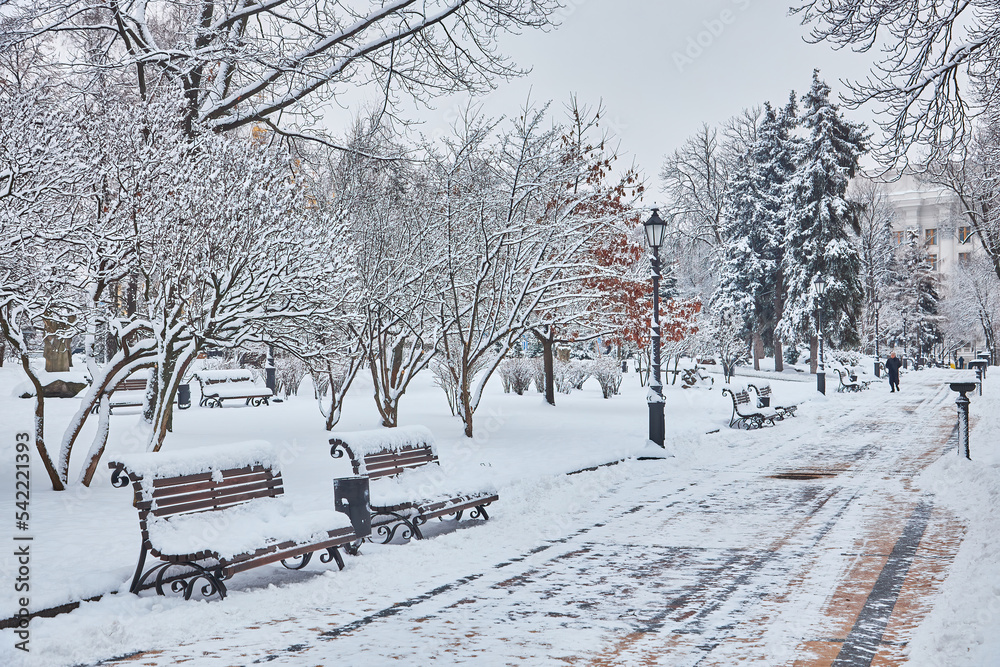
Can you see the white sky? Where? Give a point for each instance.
(662, 68)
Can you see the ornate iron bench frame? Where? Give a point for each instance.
(407, 517)
(750, 418)
(202, 493)
(850, 385)
(255, 395)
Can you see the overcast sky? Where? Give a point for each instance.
(663, 67)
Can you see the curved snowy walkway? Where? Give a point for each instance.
(806, 544)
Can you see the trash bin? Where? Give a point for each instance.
(624, 367)
(184, 396)
(350, 496)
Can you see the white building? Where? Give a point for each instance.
(934, 213)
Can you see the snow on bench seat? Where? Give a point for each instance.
(408, 484)
(210, 512)
(422, 485)
(222, 384)
(241, 528)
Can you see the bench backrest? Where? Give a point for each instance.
(131, 384)
(204, 491)
(223, 375)
(740, 396)
(386, 462)
(764, 390)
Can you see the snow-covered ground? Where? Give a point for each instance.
(643, 561)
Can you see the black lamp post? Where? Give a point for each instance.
(656, 231)
(878, 304)
(820, 285)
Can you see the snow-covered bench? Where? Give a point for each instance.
(763, 392)
(848, 381)
(210, 512)
(220, 385)
(408, 484)
(744, 414)
(128, 393)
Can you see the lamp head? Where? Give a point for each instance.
(820, 284)
(656, 230)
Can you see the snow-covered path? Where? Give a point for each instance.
(804, 546)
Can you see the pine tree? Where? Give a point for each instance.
(751, 282)
(916, 292)
(819, 223)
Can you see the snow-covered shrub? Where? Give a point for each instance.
(516, 374)
(608, 372)
(846, 358)
(288, 374)
(570, 375)
(791, 354)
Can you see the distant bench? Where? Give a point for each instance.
(409, 486)
(220, 385)
(128, 393)
(210, 512)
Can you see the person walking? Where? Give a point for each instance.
(892, 365)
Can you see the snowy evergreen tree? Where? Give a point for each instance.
(751, 281)
(820, 220)
(916, 293)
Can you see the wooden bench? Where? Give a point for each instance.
(850, 383)
(220, 385)
(744, 414)
(128, 393)
(409, 486)
(764, 400)
(209, 513)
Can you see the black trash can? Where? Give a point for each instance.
(350, 496)
(184, 396)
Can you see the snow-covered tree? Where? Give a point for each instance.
(278, 61)
(915, 293)
(931, 51)
(515, 237)
(751, 279)
(820, 221)
(875, 247)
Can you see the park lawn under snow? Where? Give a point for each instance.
(86, 540)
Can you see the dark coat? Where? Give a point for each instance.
(892, 365)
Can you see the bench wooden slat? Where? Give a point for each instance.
(161, 491)
(261, 489)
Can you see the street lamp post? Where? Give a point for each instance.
(656, 230)
(820, 284)
(877, 303)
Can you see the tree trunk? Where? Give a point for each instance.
(813, 354)
(465, 398)
(548, 365)
(43, 453)
(758, 350)
(56, 350)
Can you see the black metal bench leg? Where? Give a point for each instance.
(306, 557)
(333, 553)
(134, 587)
(479, 512)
